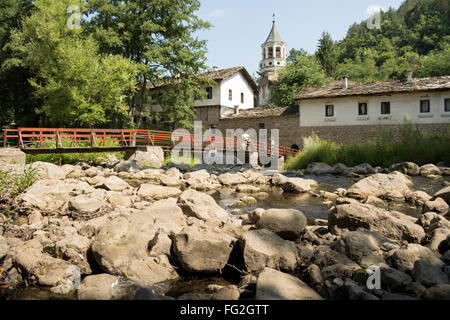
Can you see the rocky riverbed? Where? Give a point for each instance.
(121, 231)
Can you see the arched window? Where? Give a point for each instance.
(270, 52)
(278, 50)
(264, 53)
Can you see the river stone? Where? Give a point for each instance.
(438, 205)
(276, 285)
(121, 245)
(354, 216)
(341, 168)
(12, 160)
(404, 258)
(230, 179)
(429, 169)
(428, 274)
(58, 274)
(289, 224)
(444, 194)
(85, 204)
(201, 249)
(3, 247)
(438, 292)
(53, 195)
(101, 287)
(318, 168)
(152, 156)
(119, 199)
(263, 248)
(50, 171)
(431, 221)
(418, 198)
(363, 168)
(201, 206)
(359, 244)
(409, 168)
(228, 293)
(170, 181)
(154, 192)
(74, 249)
(294, 185)
(380, 185)
(200, 175)
(126, 166)
(113, 183)
(394, 279)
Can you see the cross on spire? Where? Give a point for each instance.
(273, 18)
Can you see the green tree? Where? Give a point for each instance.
(159, 37)
(303, 72)
(436, 64)
(77, 85)
(327, 54)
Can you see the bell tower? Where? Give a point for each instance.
(273, 59)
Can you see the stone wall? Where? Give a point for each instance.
(288, 126)
(362, 133)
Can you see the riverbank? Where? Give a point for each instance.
(120, 231)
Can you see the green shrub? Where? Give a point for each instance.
(15, 184)
(411, 144)
(185, 160)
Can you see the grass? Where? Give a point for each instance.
(410, 144)
(72, 158)
(184, 160)
(15, 184)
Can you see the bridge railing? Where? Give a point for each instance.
(67, 138)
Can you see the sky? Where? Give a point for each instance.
(241, 26)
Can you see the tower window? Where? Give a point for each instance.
(278, 51)
(242, 97)
(230, 95)
(270, 52)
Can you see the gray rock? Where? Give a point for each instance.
(276, 285)
(359, 244)
(357, 293)
(153, 192)
(404, 258)
(354, 216)
(417, 198)
(113, 183)
(152, 156)
(262, 248)
(444, 194)
(293, 185)
(227, 293)
(12, 160)
(318, 168)
(3, 247)
(363, 168)
(201, 249)
(394, 279)
(438, 205)
(315, 275)
(50, 171)
(201, 206)
(289, 224)
(429, 169)
(341, 168)
(85, 204)
(101, 287)
(380, 185)
(438, 292)
(126, 166)
(431, 221)
(230, 179)
(409, 168)
(428, 274)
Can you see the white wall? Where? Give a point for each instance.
(238, 84)
(312, 112)
(215, 101)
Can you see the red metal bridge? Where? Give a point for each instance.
(61, 140)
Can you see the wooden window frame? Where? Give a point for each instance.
(332, 110)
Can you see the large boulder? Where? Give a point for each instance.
(404, 258)
(101, 287)
(318, 168)
(53, 195)
(50, 171)
(429, 169)
(126, 166)
(12, 160)
(409, 168)
(85, 204)
(276, 285)
(444, 194)
(121, 245)
(363, 168)
(294, 185)
(151, 157)
(74, 249)
(154, 192)
(380, 185)
(61, 276)
(289, 224)
(230, 179)
(359, 244)
(113, 183)
(201, 206)
(354, 216)
(438, 205)
(202, 249)
(428, 274)
(263, 248)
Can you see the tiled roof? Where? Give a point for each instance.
(264, 112)
(336, 89)
(217, 75)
